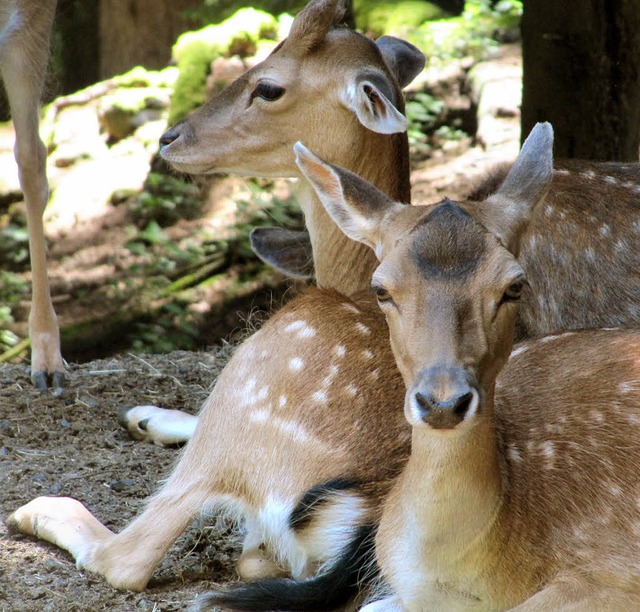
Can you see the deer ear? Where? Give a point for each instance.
(404, 60)
(287, 251)
(507, 212)
(357, 207)
(314, 21)
(374, 108)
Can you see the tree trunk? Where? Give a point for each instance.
(139, 32)
(582, 73)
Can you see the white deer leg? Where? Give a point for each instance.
(158, 425)
(126, 560)
(22, 63)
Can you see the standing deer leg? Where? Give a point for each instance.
(23, 60)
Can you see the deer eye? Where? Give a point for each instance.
(267, 91)
(514, 290)
(382, 295)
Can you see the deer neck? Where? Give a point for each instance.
(453, 490)
(340, 263)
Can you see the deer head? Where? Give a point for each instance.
(318, 84)
(448, 280)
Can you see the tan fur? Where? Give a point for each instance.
(526, 496)
(25, 27)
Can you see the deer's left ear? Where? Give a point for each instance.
(370, 97)
(357, 207)
(507, 213)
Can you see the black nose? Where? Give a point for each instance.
(169, 136)
(443, 414)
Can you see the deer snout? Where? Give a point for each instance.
(171, 135)
(442, 397)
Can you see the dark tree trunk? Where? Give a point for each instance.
(139, 32)
(582, 73)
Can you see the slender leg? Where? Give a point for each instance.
(23, 60)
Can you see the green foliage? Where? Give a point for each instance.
(14, 244)
(422, 112)
(473, 33)
(165, 200)
(194, 52)
(214, 11)
(384, 17)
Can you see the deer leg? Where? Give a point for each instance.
(158, 425)
(22, 64)
(126, 560)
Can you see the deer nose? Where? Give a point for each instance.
(171, 135)
(444, 414)
(442, 397)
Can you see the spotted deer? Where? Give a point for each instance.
(521, 491)
(25, 28)
(304, 487)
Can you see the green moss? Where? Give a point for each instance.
(383, 17)
(194, 52)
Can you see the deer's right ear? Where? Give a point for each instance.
(357, 207)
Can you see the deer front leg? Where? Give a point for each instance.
(23, 65)
(125, 560)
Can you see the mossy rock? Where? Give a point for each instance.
(120, 113)
(194, 52)
(383, 17)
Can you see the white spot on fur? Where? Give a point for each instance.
(363, 329)
(296, 364)
(597, 417)
(615, 489)
(262, 394)
(514, 454)
(260, 416)
(302, 328)
(319, 396)
(588, 174)
(282, 401)
(634, 419)
(340, 350)
(612, 180)
(548, 210)
(352, 390)
(628, 387)
(351, 308)
(375, 374)
(367, 354)
(563, 172)
(604, 230)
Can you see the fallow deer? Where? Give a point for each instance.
(284, 447)
(521, 491)
(25, 27)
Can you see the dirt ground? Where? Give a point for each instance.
(74, 446)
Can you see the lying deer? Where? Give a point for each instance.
(580, 247)
(521, 491)
(307, 413)
(25, 27)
